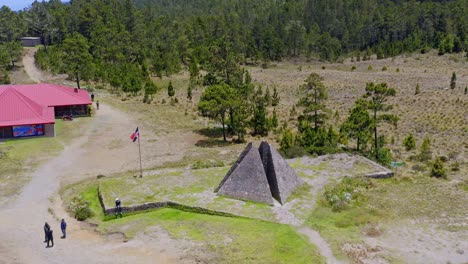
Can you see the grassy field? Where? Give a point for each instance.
(180, 140)
(214, 239)
(19, 157)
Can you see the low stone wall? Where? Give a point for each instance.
(166, 204)
(382, 174)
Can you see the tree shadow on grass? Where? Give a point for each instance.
(214, 138)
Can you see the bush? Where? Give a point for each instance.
(384, 68)
(438, 169)
(426, 153)
(344, 194)
(203, 164)
(353, 68)
(409, 142)
(369, 68)
(80, 208)
(293, 152)
(455, 166)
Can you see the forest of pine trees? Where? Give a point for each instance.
(131, 40)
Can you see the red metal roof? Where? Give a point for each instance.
(53, 95)
(16, 110)
(31, 104)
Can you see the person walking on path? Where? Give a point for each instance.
(63, 226)
(46, 231)
(92, 97)
(50, 238)
(97, 104)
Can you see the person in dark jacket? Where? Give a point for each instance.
(63, 226)
(50, 238)
(46, 230)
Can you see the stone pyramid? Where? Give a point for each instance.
(282, 179)
(246, 180)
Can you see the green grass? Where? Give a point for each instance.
(20, 155)
(223, 239)
(249, 241)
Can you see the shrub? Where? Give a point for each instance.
(418, 89)
(384, 68)
(203, 164)
(397, 70)
(455, 166)
(353, 68)
(170, 89)
(369, 68)
(438, 169)
(293, 152)
(323, 67)
(344, 194)
(426, 153)
(80, 208)
(409, 142)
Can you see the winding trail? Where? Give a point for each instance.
(98, 150)
(21, 221)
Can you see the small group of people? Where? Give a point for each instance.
(49, 233)
(97, 102)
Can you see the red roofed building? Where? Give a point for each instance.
(30, 109)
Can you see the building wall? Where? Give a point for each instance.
(49, 130)
(6, 132)
(31, 42)
(76, 110)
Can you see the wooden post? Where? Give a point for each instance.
(139, 151)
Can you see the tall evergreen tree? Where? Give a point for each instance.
(312, 103)
(376, 96)
(78, 60)
(358, 124)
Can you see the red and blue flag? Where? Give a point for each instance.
(135, 135)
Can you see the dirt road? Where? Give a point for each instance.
(21, 221)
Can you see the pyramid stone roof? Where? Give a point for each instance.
(282, 179)
(246, 180)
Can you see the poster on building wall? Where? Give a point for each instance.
(28, 131)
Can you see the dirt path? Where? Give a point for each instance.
(33, 72)
(21, 221)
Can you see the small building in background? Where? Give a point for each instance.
(31, 41)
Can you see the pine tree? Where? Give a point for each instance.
(409, 142)
(275, 99)
(418, 89)
(274, 120)
(425, 152)
(189, 91)
(314, 110)
(358, 124)
(170, 89)
(438, 169)
(78, 60)
(259, 122)
(376, 96)
(453, 81)
(267, 97)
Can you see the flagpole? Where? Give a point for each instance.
(139, 151)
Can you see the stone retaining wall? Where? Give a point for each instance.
(382, 174)
(166, 204)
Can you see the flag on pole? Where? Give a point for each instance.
(135, 135)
